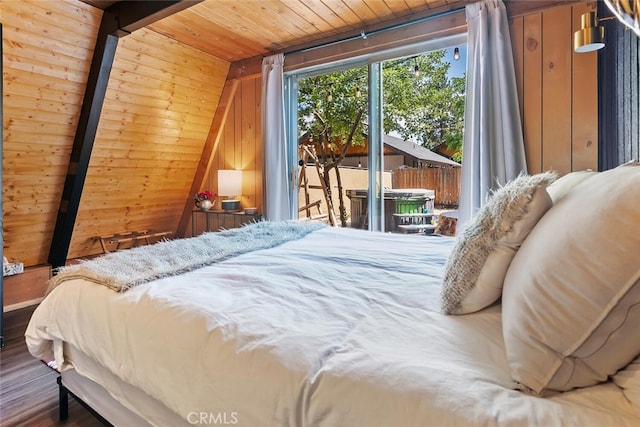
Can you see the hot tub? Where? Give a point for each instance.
(400, 200)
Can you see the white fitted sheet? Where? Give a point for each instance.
(100, 400)
(117, 401)
(339, 328)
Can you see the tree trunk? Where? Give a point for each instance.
(342, 208)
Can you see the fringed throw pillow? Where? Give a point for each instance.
(476, 268)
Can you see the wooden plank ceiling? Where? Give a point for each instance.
(234, 30)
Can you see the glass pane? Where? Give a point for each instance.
(332, 110)
(421, 135)
(423, 126)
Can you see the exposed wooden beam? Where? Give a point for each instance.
(436, 28)
(118, 21)
(97, 81)
(252, 67)
(249, 68)
(209, 150)
(134, 14)
(100, 4)
(516, 8)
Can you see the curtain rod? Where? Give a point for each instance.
(363, 34)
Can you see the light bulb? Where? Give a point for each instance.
(456, 54)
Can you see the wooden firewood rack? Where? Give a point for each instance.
(306, 153)
(133, 237)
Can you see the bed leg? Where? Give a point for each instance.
(63, 401)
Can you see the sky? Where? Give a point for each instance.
(458, 67)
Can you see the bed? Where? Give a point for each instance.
(309, 326)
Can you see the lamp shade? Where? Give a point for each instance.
(229, 182)
(590, 37)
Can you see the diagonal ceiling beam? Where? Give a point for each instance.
(118, 21)
(209, 150)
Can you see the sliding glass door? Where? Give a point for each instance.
(347, 118)
(332, 137)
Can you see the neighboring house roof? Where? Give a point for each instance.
(444, 150)
(416, 151)
(398, 145)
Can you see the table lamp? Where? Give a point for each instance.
(230, 185)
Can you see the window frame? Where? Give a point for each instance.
(373, 61)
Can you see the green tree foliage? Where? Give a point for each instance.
(455, 135)
(329, 104)
(427, 108)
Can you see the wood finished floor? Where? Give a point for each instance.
(28, 389)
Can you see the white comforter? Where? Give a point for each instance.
(339, 328)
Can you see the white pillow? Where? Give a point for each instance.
(476, 268)
(563, 185)
(571, 297)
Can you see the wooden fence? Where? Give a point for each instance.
(445, 182)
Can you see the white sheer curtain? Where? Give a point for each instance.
(493, 150)
(274, 144)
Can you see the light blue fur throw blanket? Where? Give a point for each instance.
(125, 269)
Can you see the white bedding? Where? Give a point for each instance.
(339, 328)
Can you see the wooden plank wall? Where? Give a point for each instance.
(159, 107)
(47, 52)
(557, 89)
(158, 110)
(157, 114)
(240, 146)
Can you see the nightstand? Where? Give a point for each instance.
(220, 220)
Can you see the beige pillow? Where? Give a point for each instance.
(563, 185)
(571, 297)
(628, 380)
(475, 270)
